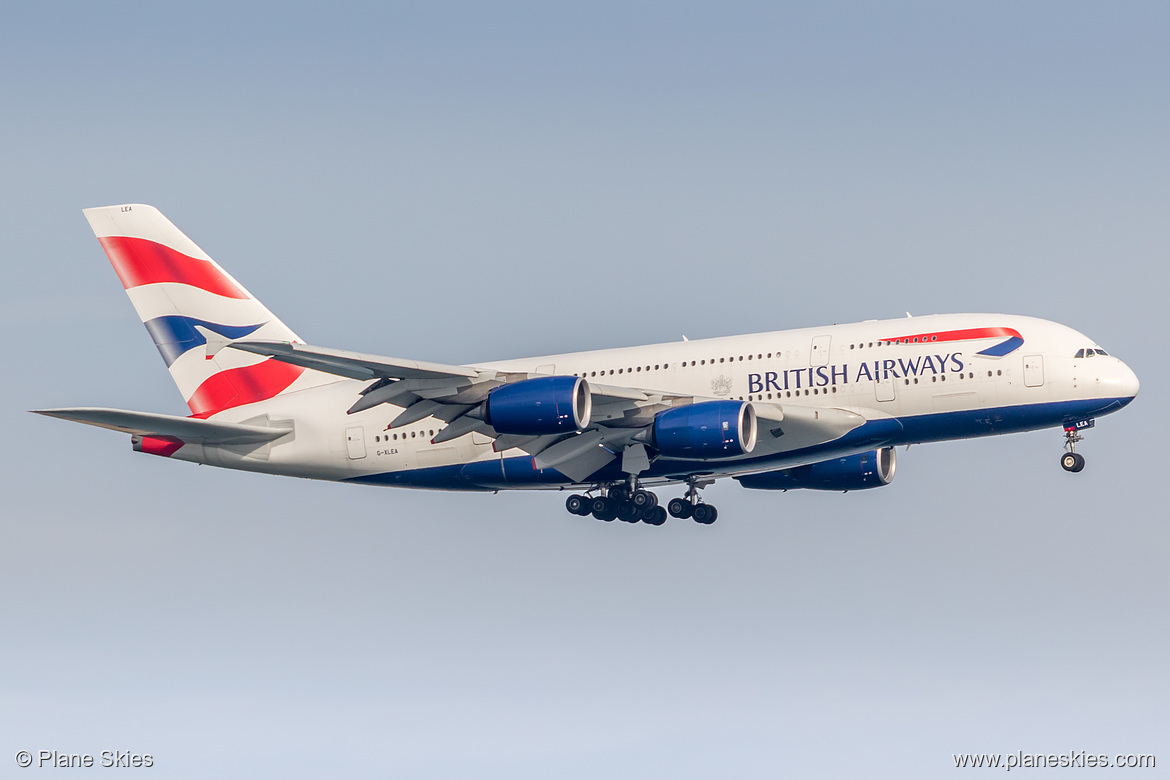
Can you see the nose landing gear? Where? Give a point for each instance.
(1071, 460)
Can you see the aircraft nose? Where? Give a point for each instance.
(1129, 382)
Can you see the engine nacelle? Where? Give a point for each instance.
(534, 407)
(855, 472)
(711, 429)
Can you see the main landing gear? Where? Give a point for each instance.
(690, 505)
(632, 504)
(619, 503)
(1072, 460)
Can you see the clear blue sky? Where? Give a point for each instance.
(468, 182)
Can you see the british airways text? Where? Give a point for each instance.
(822, 376)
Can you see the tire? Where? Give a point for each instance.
(644, 499)
(1080, 464)
(603, 508)
(679, 507)
(702, 514)
(578, 505)
(627, 512)
(1070, 461)
(656, 516)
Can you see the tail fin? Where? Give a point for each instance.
(181, 294)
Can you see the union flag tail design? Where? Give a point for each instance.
(181, 294)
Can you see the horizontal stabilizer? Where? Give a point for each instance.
(187, 429)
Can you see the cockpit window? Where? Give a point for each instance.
(1090, 353)
(1101, 352)
(1080, 353)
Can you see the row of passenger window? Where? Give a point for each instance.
(740, 358)
(789, 394)
(888, 343)
(663, 366)
(413, 434)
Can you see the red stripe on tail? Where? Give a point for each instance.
(138, 261)
(239, 386)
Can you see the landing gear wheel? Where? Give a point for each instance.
(1072, 461)
(679, 507)
(705, 514)
(656, 516)
(644, 499)
(578, 505)
(628, 513)
(603, 508)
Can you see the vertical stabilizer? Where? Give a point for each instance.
(181, 295)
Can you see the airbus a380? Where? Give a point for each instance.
(820, 408)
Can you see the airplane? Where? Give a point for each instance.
(817, 408)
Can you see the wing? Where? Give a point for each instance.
(618, 428)
(353, 365)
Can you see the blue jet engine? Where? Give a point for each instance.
(706, 430)
(855, 472)
(535, 407)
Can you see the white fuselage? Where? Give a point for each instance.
(910, 382)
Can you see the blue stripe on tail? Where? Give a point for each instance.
(174, 335)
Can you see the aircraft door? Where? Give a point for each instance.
(818, 353)
(884, 387)
(355, 442)
(1033, 370)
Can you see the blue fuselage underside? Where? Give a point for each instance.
(521, 472)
